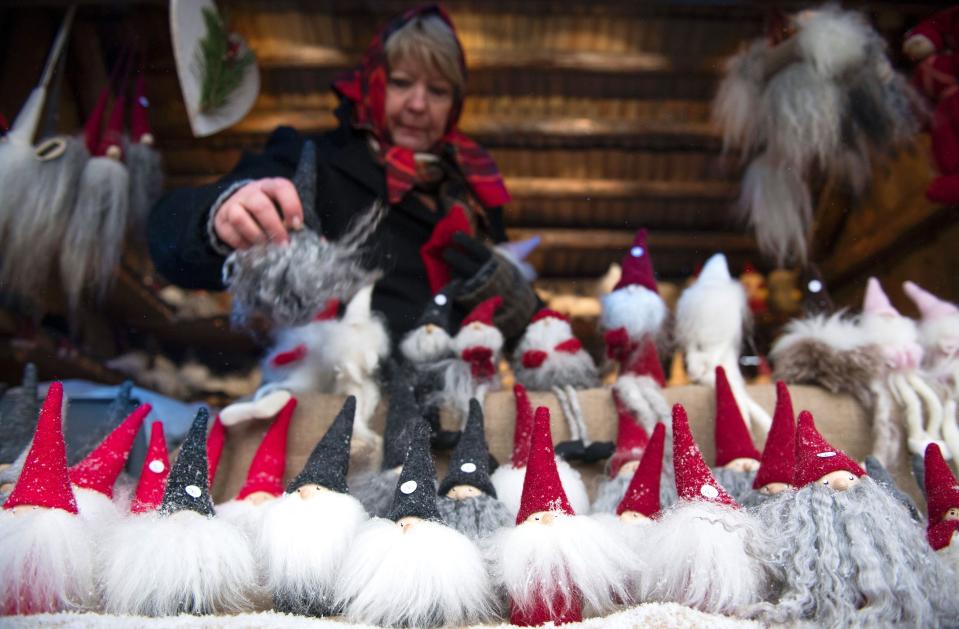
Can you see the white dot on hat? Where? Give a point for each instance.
(815, 286)
(156, 466)
(440, 300)
(193, 491)
(408, 487)
(825, 455)
(637, 251)
(709, 491)
(469, 468)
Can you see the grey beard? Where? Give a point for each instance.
(756, 499)
(738, 484)
(375, 491)
(854, 558)
(476, 518)
(612, 490)
(303, 604)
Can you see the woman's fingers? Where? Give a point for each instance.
(261, 207)
(283, 193)
(231, 236)
(259, 212)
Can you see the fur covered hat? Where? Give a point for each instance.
(437, 311)
(483, 312)
(153, 474)
(642, 494)
(930, 306)
(329, 462)
(99, 469)
(631, 438)
(638, 265)
(469, 463)
(214, 447)
(816, 457)
(269, 462)
(733, 440)
(18, 416)
(401, 414)
(44, 480)
(875, 301)
(942, 489)
(188, 485)
(522, 428)
(779, 455)
(542, 488)
(694, 481)
(415, 494)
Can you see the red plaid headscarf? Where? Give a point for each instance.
(365, 88)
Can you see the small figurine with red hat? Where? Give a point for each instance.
(555, 565)
(775, 474)
(942, 502)
(737, 458)
(153, 474)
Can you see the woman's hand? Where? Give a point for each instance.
(261, 211)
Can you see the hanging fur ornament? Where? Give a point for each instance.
(289, 283)
(826, 98)
(144, 163)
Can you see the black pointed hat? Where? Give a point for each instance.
(187, 487)
(403, 411)
(415, 494)
(330, 460)
(469, 464)
(304, 180)
(20, 411)
(437, 311)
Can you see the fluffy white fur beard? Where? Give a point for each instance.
(353, 353)
(889, 331)
(96, 509)
(940, 339)
(302, 545)
(429, 576)
(421, 347)
(508, 482)
(636, 308)
(483, 336)
(705, 556)
(46, 562)
(950, 556)
(572, 555)
(156, 565)
(244, 515)
(305, 375)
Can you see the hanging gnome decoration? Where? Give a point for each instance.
(554, 564)
(17, 423)
(631, 441)
(942, 500)
(144, 163)
(156, 468)
(264, 478)
(737, 458)
(838, 516)
(706, 551)
(509, 479)
(307, 531)
(47, 554)
(181, 558)
(467, 499)
(412, 570)
(710, 318)
(775, 474)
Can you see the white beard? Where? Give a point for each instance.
(940, 340)
(508, 482)
(885, 331)
(544, 335)
(96, 510)
(705, 556)
(573, 555)
(631, 534)
(636, 308)
(710, 318)
(46, 562)
(244, 515)
(157, 565)
(422, 347)
(429, 576)
(950, 557)
(308, 373)
(484, 336)
(302, 545)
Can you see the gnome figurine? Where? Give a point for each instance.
(555, 564)
(737, 459)
(631, 441)
(306, 532)
(156, 468)
(942, 500)
(181, 558)
(840, 519)
(411, 570)
(47, 554)
(264, 479)
(467, 499)
(775, 474)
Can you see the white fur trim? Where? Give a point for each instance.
(636, 308)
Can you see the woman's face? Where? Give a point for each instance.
(418, 104)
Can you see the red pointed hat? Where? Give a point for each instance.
(547, 313)
(156, 467)
(44, 480)
(942, 490)
(631, 438)
(816, 457)
(269, 462)
(733, 440)
(642, 495)
(523, 428)
(646, 363)
(483, 312)
(694, 481)
(940, 535)
(779, 455)
(214, 448)
(542, 489)
(100, 469)
(638, 265)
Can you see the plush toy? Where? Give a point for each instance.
(47, 554)
(554, 563)
(156, 468)
(737, 458)
(942, 500)
(775, 474)
(307, 531)
(412, 570)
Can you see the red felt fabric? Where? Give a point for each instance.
(816, 457)
(631, 438)
(569, 346)
(288, 357)
(638, 265)
(269, 463)
(779, 455)
(533, 358)
(542, 489)
(214, 447)
(483, 312)
(152, 483)
(539, 614)
(99, 469)
(546, 313)
(522, 428)
(942, 489)
(480, 360)
(940, 535)
(330, 310)
(694, 481)
(642, 494)
(733, 440)
(431, 252)
(645, 362)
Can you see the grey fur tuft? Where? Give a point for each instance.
(375, 491)
(476, 518)
(738, 484)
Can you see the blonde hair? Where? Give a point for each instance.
(430, 42)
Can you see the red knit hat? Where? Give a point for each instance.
(779, 455)
(642, 495)
(269, 462)
(214, 447)
(100, 469)
(523, 428)
(483, 312)
(816, 457)
(646, 363)
(638, 265)
(156, 467)
(942, 490)
(733, 440)
(546, 313)
(44, 480)
(940, 535)
(542, 489)
(631, 438)
(694, 481)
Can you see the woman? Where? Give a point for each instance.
(397, 141)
